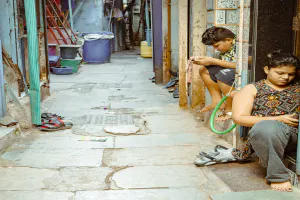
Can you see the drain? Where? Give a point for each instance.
(104, 120)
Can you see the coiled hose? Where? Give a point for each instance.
(212, 119)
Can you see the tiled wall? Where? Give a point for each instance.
(223, 13)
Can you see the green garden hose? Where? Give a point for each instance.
(212, 118)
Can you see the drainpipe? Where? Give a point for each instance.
(34, 70)
(71, 16)
(148, 37)
(2, 96)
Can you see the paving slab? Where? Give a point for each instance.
(107, 68)
(159, 140)
(175, 176)
(7, 137)
(78, 179)
(63, 141)
(60, 86)
(23, 178)
(90, 130)
(90, 78)
(135, 105)
(169, 124)
(52, 158)
(35, 195)
(178, 155)
(150, 194)
(263, 194)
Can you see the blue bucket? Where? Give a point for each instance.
(97, 47)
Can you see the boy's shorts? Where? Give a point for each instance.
(224, 75)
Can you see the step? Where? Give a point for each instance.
(261, 194)
(7, 137)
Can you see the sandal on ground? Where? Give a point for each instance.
(171, 84)
(50, 115)
(53, 117)
(53, 127)
(221, 156)
(176, 93)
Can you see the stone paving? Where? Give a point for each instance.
(156, 163)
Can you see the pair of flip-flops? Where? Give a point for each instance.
(53, 122)
(171, 83)
(220, 154)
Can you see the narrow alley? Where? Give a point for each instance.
(154, 163)
(149, 100)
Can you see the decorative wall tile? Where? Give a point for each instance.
(247, 16)
(210, 4)
(211, 17)
(246, 33)
(227, 3)
(231, 17)
(232, 28)
(220, 17)
(247, 3)
(209, 26)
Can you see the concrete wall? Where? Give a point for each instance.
(10, 40)
(175, 36)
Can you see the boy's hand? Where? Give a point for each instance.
(203, 60)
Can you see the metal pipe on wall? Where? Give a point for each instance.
(71, 16)
(34, 70)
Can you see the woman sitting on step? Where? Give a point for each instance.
(271, 107)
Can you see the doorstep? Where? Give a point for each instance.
(261, 194)
(7, 137)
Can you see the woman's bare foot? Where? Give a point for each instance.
(282, 187)
(211, 107)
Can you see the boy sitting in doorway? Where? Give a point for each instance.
(218, 73)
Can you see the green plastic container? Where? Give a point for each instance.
(74, 63)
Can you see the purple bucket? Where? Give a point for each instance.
(97, 50)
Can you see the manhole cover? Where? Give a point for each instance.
(113, 85)
(104, 120)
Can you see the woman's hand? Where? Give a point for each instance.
(203, 60)
(288, 119)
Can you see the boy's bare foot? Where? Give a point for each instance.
(282, 187)
(211, 107)
(226, 115)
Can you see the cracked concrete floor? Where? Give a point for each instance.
(154, 164)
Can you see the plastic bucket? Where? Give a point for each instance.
(97, 47)
(73, 63)
(146, 51)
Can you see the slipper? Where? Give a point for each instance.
(176, 93)
(54, 117)
(51, 127)
(221, 156)
(49, 115)
(170, 84)
(56, 121)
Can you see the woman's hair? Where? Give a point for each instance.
(216, 34)
(282, 59)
